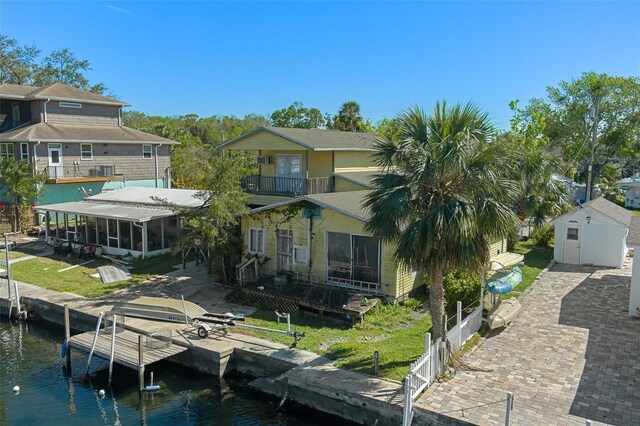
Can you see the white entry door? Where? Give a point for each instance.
(55, 160)
(571, 247)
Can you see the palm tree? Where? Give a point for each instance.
(541, 195)
(442, 192)
(348, 118)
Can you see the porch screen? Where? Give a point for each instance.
(366, 258)
(339, 255)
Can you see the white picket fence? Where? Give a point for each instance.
(426, 369)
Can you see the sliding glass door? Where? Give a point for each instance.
(353, 257)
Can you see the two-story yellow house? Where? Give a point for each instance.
(307, 218)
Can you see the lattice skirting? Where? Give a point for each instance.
(269, 301)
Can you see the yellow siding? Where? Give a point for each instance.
(352, 159)
(320, 163)
(405, 281)
(265, 140)
(330, 221)
(343, 185)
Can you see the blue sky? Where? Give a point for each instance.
(173, 58)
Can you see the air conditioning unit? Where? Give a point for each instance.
(264, 159)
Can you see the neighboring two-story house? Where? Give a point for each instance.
(77, 138)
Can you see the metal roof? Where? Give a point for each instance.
(363, 178)
(141, 195)
(136, 213)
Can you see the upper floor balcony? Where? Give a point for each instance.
(78, 173)
(287, 186)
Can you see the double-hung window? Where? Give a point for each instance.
(86, 151)
(146, 152)
(6, 150)
(256, 241)
(24, 151)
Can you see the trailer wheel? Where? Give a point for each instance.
(202, 332)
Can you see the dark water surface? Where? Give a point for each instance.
(30, 358)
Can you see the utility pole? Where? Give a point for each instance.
(592, 145)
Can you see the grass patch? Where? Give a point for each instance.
(536, 258)
(43, 272)
(392, 330)
(19, 252)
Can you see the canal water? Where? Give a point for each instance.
(30, 358)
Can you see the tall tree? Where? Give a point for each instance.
(63, 66)
(389, 129)
(541, 194)
(18, 64)
(299, 116)
(214, 226)
(443, 192)
(20, 183)
(595, 114)
(348, 118)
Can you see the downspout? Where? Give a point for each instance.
(156, 161)
(35, 164)
(45, 109)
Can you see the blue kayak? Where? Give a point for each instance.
(504, 282)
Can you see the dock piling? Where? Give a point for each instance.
(141, 362)
(67, 336)
(113, 345)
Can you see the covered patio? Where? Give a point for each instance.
(126, 221)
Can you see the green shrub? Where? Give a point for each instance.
(543, 236)
(461, 286)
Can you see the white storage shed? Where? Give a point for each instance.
(594, 233)
(634, 243)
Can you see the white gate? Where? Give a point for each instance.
(426, 369)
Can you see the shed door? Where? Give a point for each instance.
(571, 245)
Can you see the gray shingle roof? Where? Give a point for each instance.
(362, 178)
(633, 239)
(612, 210)
(56, 91)
(348, 203)
(49, 132)
(318, 139)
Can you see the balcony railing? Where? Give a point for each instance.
(287, 187)
(79, 172)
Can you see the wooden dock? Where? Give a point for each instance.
(126, 348)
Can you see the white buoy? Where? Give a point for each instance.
(101, 392)
(16, 389)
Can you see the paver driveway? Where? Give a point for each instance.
(572, 355)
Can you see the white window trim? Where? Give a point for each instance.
(9, 147)
(22, 154)
(306, 254)
(70, 105)
(91, 151)
(150, 152)
(260, 251)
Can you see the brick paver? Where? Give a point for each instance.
(572, 355)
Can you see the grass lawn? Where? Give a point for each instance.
(19, 252)
(396, 332)
(535, 260)
(43, 272)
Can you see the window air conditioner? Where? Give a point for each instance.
(264, 159)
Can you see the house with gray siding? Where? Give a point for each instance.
(77, 138)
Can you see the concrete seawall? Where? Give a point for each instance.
(307, 379)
